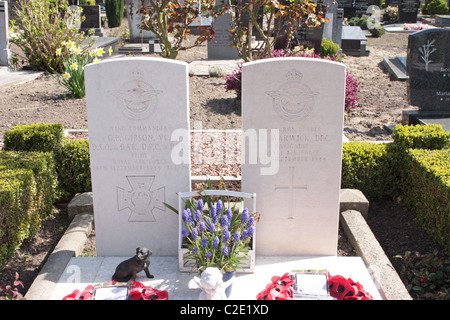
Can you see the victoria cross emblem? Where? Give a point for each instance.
(141, 200)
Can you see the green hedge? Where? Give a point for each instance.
(366, 166)
(73, 166)
(427, 192)
(16, 214)
(414, 168)
(41, 137)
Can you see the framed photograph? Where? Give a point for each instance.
(311, 285)
(112, 292)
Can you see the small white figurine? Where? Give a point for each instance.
(212, 285)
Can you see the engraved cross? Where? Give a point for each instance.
(291, 187)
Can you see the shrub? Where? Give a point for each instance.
(16, 188)
(435, 7)
(358, 22)
(426, 276)
(427, 191)
(114, 12)
(365, 167)
(328, 48)
(40, 37)
(421, 137)
(42, 137)
(73, 167)
(44, 183)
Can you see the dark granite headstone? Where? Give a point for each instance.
(428, 64)
(360, 7)
(407, 10)
(92, 17)
(347, 5)
(310, 37)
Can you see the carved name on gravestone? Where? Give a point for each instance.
(291, 155)
(407, 10)
(428, 65)
(220, 48)
(5, 53)
(139, 146)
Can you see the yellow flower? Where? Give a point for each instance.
(96, 60)
(91, 53)
(110, 50)
(74, 66)
(66, 75)
(99, 52)
(77, 50)
(58, 51)
(70, 44)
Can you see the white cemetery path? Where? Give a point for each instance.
(82, 271)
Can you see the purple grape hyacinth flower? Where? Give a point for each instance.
(225, 251)
(200, 205)
(202, 227)
(204, 242)
(215, 242)
(184, 233)
(194, 234)
(208, 255)
(219, 207)
(237, 236)
(244, 216)
(224, 222)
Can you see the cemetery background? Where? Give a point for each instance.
(380, 103)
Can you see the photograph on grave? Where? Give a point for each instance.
(428, 65)
(138, 120)
(291, 152)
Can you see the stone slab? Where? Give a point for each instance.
(81, 272)
(204, 67)
(396, 67)
(12, 78)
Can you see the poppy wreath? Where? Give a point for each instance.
(138, 292)
(346, 289)
(339, 287)
(279, 289)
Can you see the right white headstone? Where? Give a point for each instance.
(292, 117)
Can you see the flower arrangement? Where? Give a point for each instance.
(74, 60)
(414, 26)
(217, 235)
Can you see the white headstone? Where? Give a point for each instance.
(138, 120)
(292, 117)
(134, 20)
(5, 53)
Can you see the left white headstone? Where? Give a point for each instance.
(138, 120)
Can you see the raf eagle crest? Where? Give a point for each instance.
(293, 100)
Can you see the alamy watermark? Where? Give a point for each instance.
(222, 147)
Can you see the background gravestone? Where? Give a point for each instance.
(5, 53)
(135, 163)
(298, 189)
(134, 21)
(428, 65)
(407, 11)
(220, 48)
